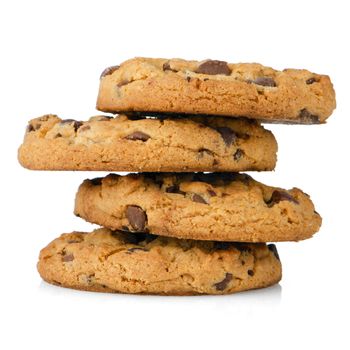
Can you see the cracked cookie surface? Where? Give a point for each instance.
(216, 206)
(147, 144)
(107, 261)
(216, 88)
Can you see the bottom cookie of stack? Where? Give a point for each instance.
(125, 262)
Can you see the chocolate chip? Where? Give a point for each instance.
(138, 135)
(211, 193)
(213, 67)
(264, 81)
(308, 118)
(188, 79)
(96, 181)
(68, 257)
(311, 81)
(136, 217)
(30, 128)
(273, 249)
(174, 189)
(58, 135)
(85, 128)
(224, 283)
(166, 66)
(108, 71)
(131, 250)
(123, 82)
(227, 134)
(215, 162)
(76, 124)
(67, 121)
(199, 199)
(278, 196)
(250, 272)
(238, 154)
(222, 245)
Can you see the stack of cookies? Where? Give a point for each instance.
(188, 222)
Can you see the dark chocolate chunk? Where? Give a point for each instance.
(108, 71)
(138, 135)
(30, 128)
(174, 189)
(76, 124)
(67, 121)
(273, 249)
(211, 193)
(136, 217)
(250, 272)
(238, 154)
(227, 134)
(166, 66)
(224, 283)
(188, 79)
(123, 82)
(199, 199)
(278, 196)
(264, 81)
(67, 257)
(311, 81)
(308, 118)
(58, 135)
(213, 67)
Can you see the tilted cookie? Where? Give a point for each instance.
(147, 144)
(219, 207)
(216, 88)
(107, 261)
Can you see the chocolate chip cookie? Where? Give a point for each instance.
(219, 207)
(133, 144)
(107, 261)
(216, 88)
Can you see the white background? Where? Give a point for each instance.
(51, 56)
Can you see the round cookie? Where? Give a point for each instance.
(216, 88)
(147, 144)
(216, 206)
(107, 261)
